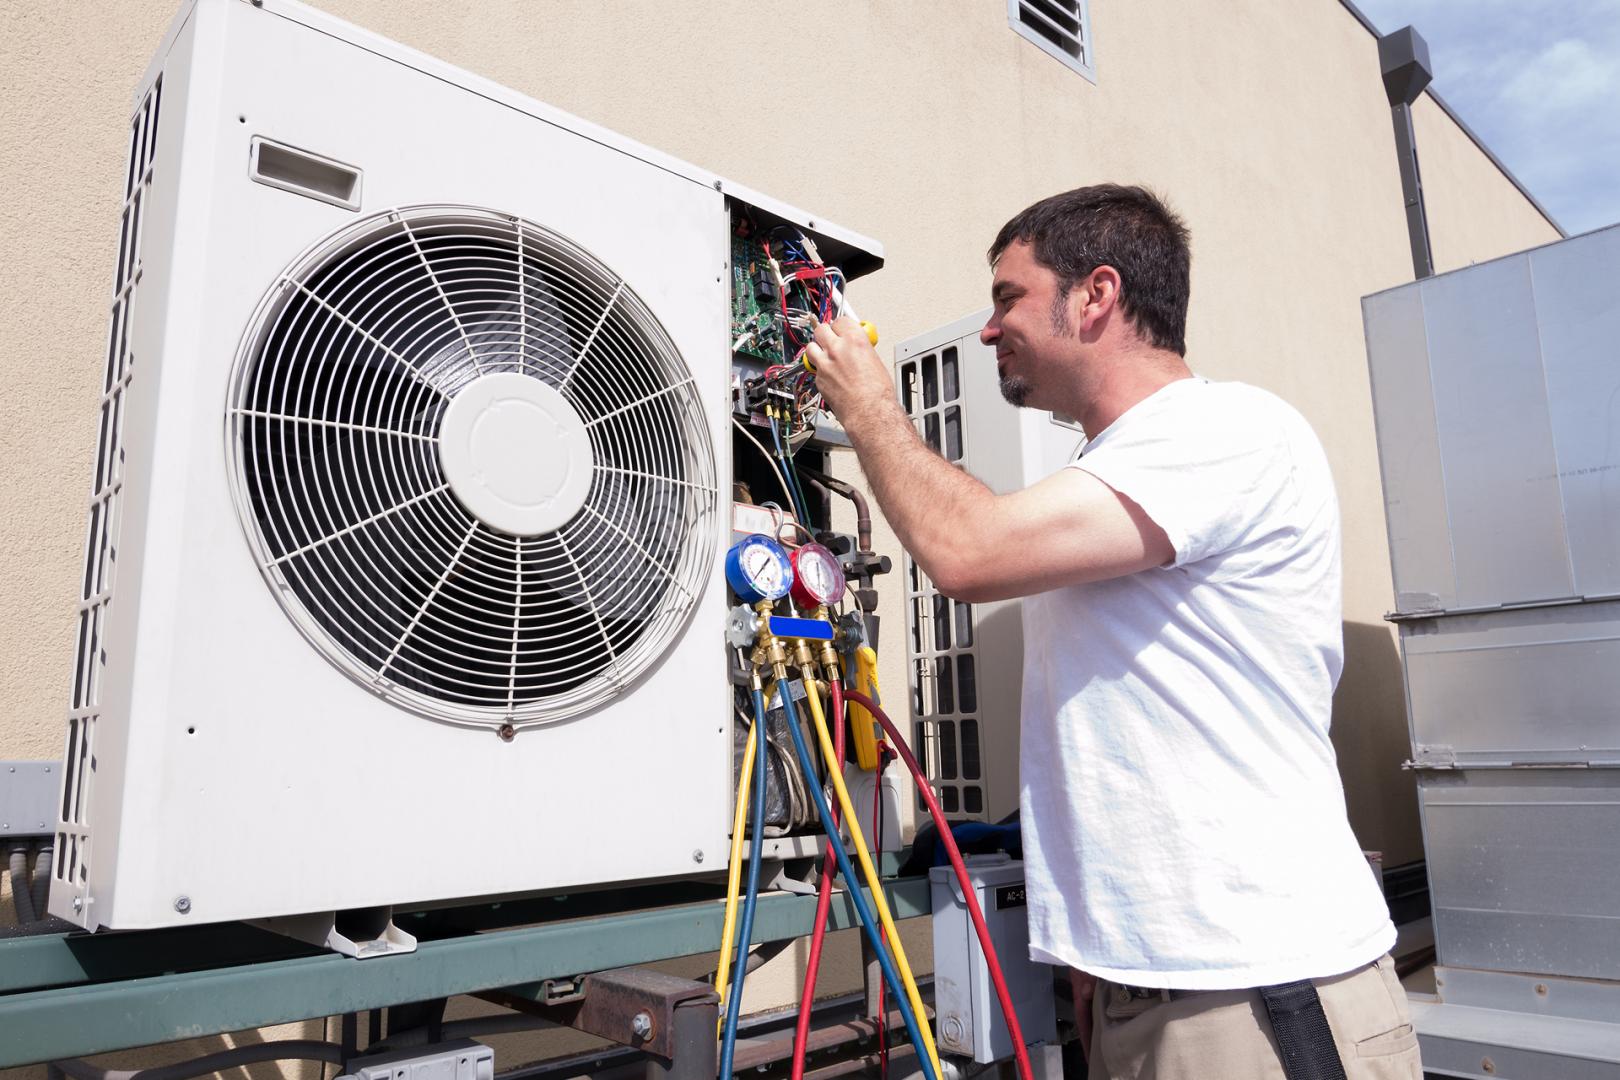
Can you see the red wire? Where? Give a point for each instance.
(968, 893)
(807, 1000)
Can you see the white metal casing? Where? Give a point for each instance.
(966, 660)
(227, 770)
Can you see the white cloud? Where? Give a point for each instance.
(1566, 75)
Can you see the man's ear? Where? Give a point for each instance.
(1097, 295)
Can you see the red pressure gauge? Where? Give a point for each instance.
(818, 580)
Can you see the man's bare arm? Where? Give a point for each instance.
(974, 544)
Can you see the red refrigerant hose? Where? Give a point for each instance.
(968, 893)
(807, 1000)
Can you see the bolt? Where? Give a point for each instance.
(506, 732)
(1541, 988)
(78, 903)
(641, 1025)
(182, 904)
(697, 856)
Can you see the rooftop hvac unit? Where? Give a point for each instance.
(966, 660)
(1496, 389)
(401, 581)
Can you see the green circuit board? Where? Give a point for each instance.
(756, 320)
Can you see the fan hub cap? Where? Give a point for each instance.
(516, 454)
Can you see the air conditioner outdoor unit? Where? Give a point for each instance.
(966, 660)
(402, 575)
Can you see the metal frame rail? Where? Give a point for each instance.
(69, 995)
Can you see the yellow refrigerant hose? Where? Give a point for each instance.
(836, 773)
(734, 876)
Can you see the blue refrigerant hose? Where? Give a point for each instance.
(728, 1041)
(868, 923)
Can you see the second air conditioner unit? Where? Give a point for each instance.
(966, 660)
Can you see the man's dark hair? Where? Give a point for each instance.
(1128, 228)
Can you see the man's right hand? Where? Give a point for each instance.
(849, 371)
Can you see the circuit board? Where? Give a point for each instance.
(756, 317)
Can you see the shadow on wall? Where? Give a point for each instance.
(1371, 740)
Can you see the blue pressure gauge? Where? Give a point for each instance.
(758, 568)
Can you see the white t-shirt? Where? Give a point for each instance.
(1184, 823)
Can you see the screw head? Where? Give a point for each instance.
(641, 1025)
(78, 903)
(697, 856)
(182, 904)
(506, 732)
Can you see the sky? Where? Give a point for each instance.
(1539, 82)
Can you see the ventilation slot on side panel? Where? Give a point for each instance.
(944, 697)
(72, 859)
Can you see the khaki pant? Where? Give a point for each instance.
(1226, 1034)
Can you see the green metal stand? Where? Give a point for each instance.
(68, 995)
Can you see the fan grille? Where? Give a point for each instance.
(337, 398)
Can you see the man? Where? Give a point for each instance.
(1187, 849)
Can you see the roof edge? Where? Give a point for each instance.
(1466, 130)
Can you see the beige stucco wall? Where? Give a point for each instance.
(924, 125)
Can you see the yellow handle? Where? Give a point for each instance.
(871, 335)
(862, 724)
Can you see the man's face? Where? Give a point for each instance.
(1029, 324)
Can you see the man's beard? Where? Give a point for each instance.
(1015, 388)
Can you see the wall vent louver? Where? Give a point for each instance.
(102, 535)
(940, 649)
(1061, 28)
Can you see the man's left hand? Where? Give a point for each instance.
(848, 369)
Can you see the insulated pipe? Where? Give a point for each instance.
(42, 879)
(863, 512)
(21, 898)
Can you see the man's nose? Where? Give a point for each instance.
(991, 331)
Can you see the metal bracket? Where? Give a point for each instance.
(786, 882)
(1431, 757)
(462, 1059)
(362, 933)
(634, 1006)
(28, 791)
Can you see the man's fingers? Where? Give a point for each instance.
(842, 327)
